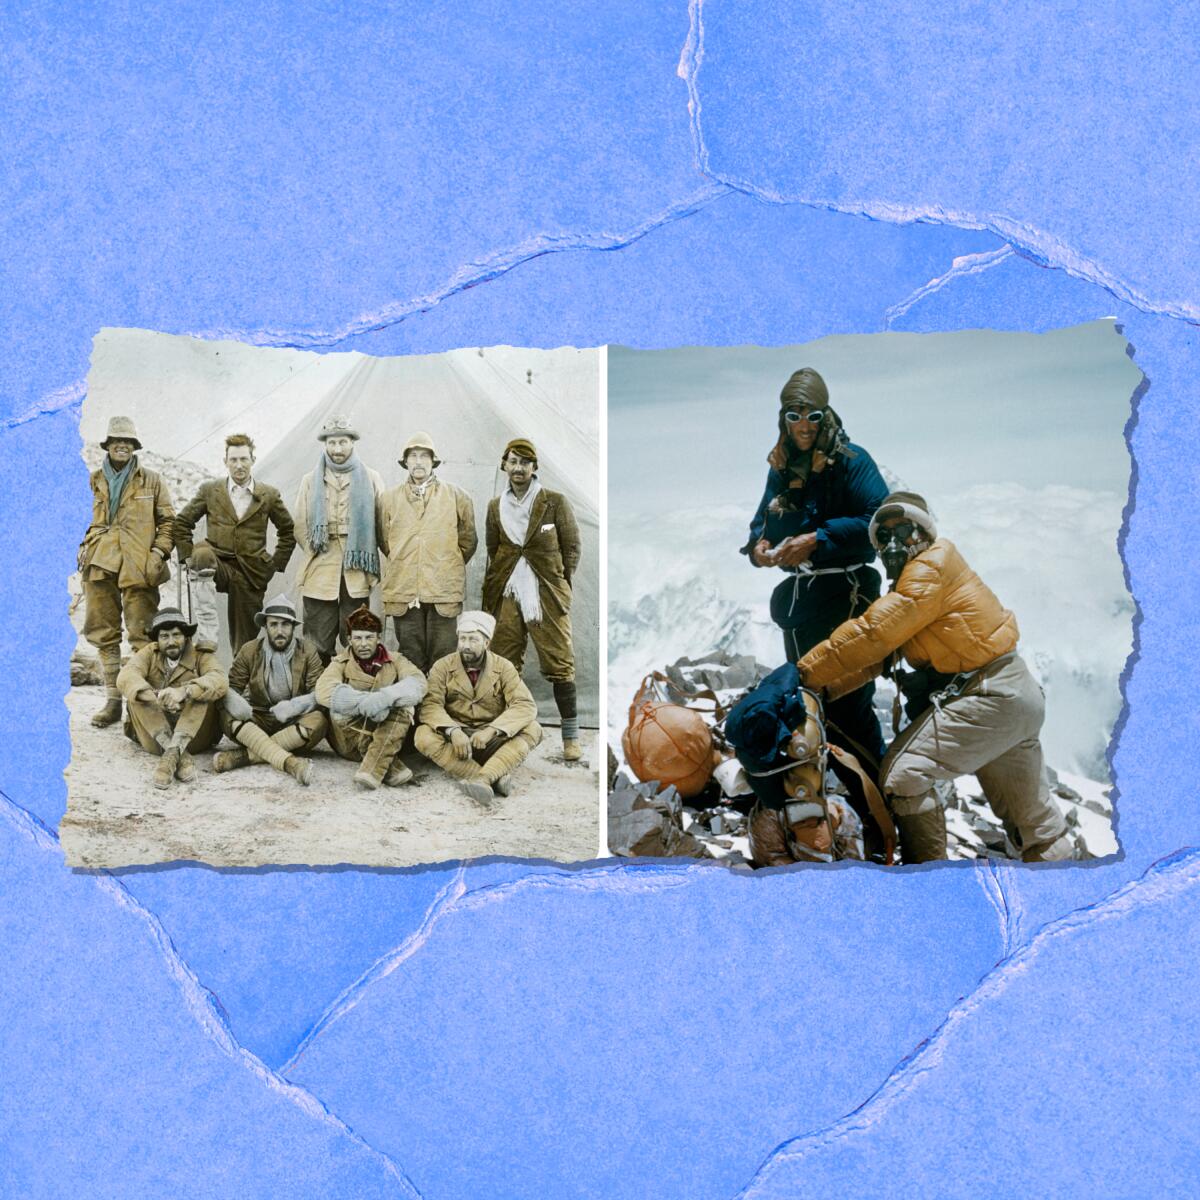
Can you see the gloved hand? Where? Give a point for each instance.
(287, 711)
(344, 703)
(237, 706)
(406, 692)
(375, 706)
(461, 743)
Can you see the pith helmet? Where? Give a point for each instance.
(281, 606)
(170, 618)
(122, 428)
(337, 426)
(418, 441)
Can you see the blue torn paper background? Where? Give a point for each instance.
(401, 179)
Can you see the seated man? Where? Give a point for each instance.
(271, 705)
(975, 707)
(478, 720)
(171, 688)
(370, 697)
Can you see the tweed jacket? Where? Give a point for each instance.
(243, 539)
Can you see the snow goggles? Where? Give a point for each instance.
(896, 533)
(813, 416)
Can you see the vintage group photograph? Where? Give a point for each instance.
(333, 608)
(871, 605)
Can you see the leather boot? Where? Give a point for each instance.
(230, 760)
(920, 826)
(397, 774)
(110, 665)
(185, 771)
(300, 769)
(164, 772)
(479, 792)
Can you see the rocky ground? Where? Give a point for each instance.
(645, 821)
(257, 816)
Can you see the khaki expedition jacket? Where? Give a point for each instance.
(499, 698)
(242, 539)
(320, 575)
(248, 674)
(939, 614)
(552, 548)
(428, 541)
(148, 669)
(344, 668)
(144, 521)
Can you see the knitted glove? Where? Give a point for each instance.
(287, 711)
(345, 703)
(405, 692)
(375, 705)
(237, 706)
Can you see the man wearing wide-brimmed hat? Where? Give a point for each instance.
(370, 696)
(233, 558)
(428, 535)
(533, 549)
(172, 688)
(337, 527)
(271, 706)
(478, 720)
(123, 557)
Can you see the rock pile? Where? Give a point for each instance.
(714, 824)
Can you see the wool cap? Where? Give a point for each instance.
(281, 606)
(904, 504)
(363, 618)
(523, 447)
(122, 429)
(476, 622)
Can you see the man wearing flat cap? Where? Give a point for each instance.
(172, 688)
(427, 531)
(123, 557)
(337, 525)
(533, 549)
(271, 707)
(234, 558)
(370, 697)
(478, 721)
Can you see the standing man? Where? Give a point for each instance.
(533, 549)
(271, 707)
(370, 697)
(338, 518)
(478, 720)
(428, 535)
(172, 686)
(812, 523)
(123, 557)
(234, 555)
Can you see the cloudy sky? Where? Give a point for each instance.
(942, 411)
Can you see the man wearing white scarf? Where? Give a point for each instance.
(533, 549)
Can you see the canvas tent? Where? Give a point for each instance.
(186, 395)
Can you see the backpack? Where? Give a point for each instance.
(670, 744)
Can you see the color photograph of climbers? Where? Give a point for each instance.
(334, 609)
(866, 600)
